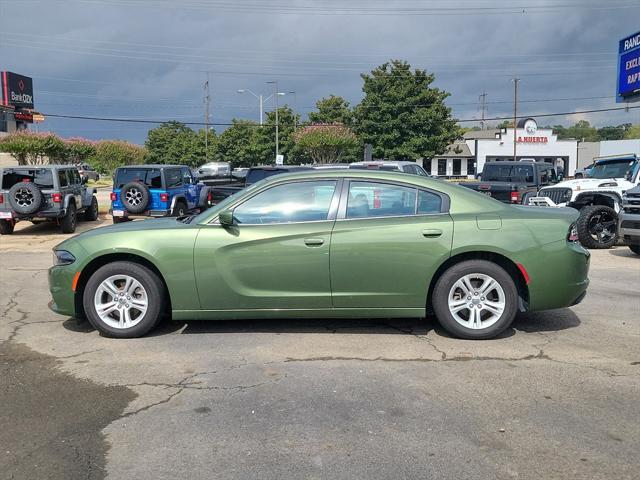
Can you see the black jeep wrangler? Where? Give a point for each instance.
(40, 193)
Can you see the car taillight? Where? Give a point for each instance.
(56, 197)
(572, 236)
(1, 198)
(114, 196)
(209, 196)
(164, 197)
(515, 197)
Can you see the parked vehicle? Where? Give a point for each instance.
(214, 170)
(630, 219)
(55, 193)
(391, 166)
(88, 171)
(598, 198)
(156, 191)
(331, 243)
(583, 172)
(513, 182)
(221, 191)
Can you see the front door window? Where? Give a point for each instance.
(288, 203)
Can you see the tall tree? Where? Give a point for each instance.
(243, 145)
(287, 147)
(325, 143)
(332, 109)
(402, 115)
(174, 142)
(632, 132)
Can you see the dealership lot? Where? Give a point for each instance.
(555, 397)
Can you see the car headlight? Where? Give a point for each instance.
(62, 257)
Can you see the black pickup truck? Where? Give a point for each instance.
(513, 182)
(223, 189)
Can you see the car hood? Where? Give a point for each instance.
(589, 183)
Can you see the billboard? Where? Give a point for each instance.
(17, 90)
(629, 69)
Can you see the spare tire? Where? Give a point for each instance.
(135, 197)
(25, 198)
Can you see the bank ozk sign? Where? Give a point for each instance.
(17, 90)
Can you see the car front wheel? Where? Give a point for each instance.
(475, 299)
(123, 300)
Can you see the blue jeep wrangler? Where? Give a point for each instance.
(156, 191)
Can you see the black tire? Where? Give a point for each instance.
(150, 282)
(6, 227)
(25, 198)
(597, 227)
(635, 249)
(445, 284)
(70, 220)
(179, 209)
(135, 197)
(91, 213)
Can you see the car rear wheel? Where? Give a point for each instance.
(70, 220)
(91, 213)
(475, 299)
(123, 300)
(179, 210)
(597, 226)
(6, 227)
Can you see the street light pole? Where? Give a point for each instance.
(275, 93)
(515, 116)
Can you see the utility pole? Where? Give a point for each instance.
(207, 100)
(515, 116)
(483, 99)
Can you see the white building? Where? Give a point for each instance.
(465, 158)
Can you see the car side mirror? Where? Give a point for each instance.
(226, 218)
(84, 179)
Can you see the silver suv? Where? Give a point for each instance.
(40, 193)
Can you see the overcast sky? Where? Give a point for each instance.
(148, 58)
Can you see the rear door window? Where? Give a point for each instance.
(173, 178)
(42, 177)
(63, 180)
(369, 199)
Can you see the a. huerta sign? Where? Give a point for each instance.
(17, 90)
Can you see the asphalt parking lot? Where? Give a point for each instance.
(555, 397)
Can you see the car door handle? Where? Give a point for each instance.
(431, 232)
(313, 242)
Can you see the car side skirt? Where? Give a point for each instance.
(298, 313)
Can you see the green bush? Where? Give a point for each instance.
(111, 154)
(31, 148)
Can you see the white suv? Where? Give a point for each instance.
(599, 198)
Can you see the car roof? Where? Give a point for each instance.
(385, 162)
(154, 165)
(281, 167)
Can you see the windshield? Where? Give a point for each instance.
(613, 169)
(507, 173)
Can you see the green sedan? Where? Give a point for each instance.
(328, 244)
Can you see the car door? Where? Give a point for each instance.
(173, 180)
(276, 255)
(388, 240)
(75, 184)
(190, 188)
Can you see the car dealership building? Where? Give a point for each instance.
(466, 157)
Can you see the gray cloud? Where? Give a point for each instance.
(147, 59)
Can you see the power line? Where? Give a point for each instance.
(149, 121)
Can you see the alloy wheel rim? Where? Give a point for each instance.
(121, 301)
(24, 197)
(476, 301)
(602, 227)
(133, 196)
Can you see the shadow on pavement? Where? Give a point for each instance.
(549, 321)
(623, 252)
